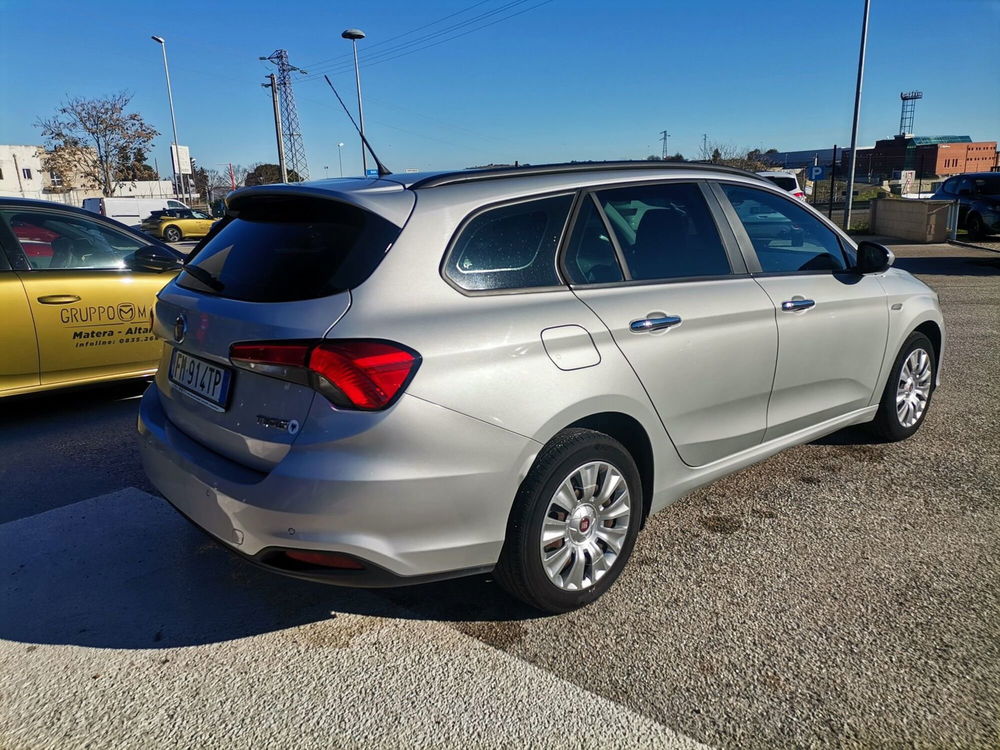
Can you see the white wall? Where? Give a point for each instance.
(14, 159)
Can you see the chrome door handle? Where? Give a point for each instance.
(792, 305)
(654, 324)
(58, 299)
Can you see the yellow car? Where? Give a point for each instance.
(76, 296)
(176, 224)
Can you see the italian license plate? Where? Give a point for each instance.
(210, 382)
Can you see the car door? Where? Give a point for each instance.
(966, 194)
(19, 363)
(699, 332)
(200, 224)
(91, 314)
(832, 322)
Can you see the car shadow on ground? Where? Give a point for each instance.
(957, 265)
(856, 435)
(127, 571)
(78, 402)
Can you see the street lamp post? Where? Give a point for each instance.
(857, 114)
(175, 160)
(354, 35)
(340, 157)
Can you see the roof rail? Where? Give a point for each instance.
(475, 175)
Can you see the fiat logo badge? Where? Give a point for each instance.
(180, 328)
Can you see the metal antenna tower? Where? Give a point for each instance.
(295, 152)
(909, 99)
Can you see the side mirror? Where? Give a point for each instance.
(153, 259)
(874, 258)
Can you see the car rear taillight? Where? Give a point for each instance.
(358, 374)
(800, 195)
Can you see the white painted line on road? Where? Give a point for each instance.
(122, 626)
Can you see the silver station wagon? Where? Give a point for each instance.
(414, 377)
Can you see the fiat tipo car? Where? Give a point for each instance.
(413, 377)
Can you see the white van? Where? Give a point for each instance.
(130, 211)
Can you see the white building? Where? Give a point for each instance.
(22, 176)
(21, 172)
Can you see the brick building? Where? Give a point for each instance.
(928, 156)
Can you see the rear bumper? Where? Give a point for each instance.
(423, 493)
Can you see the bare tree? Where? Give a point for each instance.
(750, 159)
(97, 140)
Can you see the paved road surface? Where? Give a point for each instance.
(842, 593)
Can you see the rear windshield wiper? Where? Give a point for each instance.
(204, 277)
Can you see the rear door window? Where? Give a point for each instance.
(280, 249)
(665, 231)
(510, 247)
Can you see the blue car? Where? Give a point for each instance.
(978, 196)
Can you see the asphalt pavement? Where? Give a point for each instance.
(845, 593)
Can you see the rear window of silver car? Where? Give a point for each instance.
(784, 182)
(280, 249)
(510, 247)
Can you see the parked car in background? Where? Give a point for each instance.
(76, 297)
(978, 196)
(129, 211)
(176, 224)
(422, 376)
(786, 181)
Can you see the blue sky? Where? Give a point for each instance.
(565, 79)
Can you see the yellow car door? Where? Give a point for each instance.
(202, 223)
(19, 362)
(91, 313)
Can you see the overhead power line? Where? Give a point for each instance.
(401, 51)
(399, 36)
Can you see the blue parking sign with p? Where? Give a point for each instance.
(816, 173)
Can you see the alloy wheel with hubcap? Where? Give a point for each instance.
(585, 526)
(573, 523)
(914, 388)
(909, 390)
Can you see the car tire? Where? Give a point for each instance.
(975, 227)
(607, 513)
(172, 234)
(908, 391)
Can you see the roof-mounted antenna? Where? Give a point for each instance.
(382, 169)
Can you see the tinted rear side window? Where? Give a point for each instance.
(282, 249)
(511, 247)
(785, 183)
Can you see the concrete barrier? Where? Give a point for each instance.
(915, 220)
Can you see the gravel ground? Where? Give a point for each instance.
(987, 243)
(844, 593)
